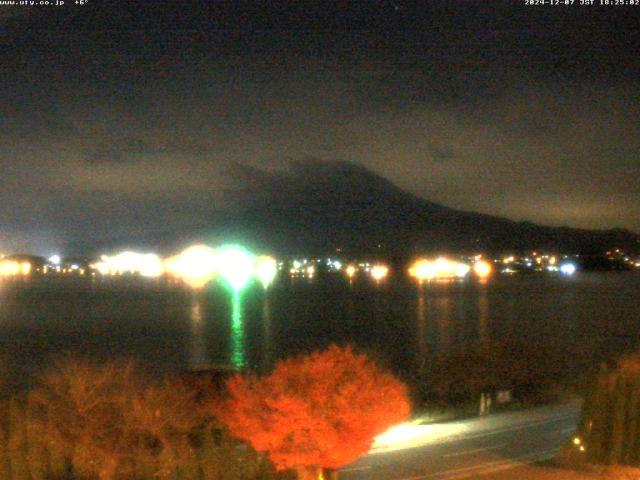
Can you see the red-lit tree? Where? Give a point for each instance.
(317, 411)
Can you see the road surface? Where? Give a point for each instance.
(467, 449)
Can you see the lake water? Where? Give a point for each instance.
(578, 320)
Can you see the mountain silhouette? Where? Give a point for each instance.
(317, 206)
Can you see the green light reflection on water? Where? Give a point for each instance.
(237, 333)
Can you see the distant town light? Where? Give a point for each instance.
(422, 270)
(10, 268)
(145, 264)
(568, 268)
(482, 269)
(195, 265)
(266, 270)
(54, 259)
(379, 272)
(351, 271)
(442, 268)
(461, 269)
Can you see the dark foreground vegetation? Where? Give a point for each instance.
(88, 421)
(85, 420)
(531, 372)
(609, 430)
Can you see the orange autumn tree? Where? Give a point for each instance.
(317, 411)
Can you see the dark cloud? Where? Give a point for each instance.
(135, 149)
(441, 153)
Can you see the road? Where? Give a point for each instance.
(466, 449)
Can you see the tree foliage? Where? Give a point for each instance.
(609, 428)
(110, 420)
(461, 376)
(320, 410)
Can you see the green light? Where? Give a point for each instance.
(237, 334)
(236, 266)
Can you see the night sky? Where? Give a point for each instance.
(122, 118)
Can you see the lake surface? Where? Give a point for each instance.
(578, 320)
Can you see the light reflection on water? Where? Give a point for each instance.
(483, 314)
(267, 335)
(580, 320)
(421, 317)
(198, 352)
(198, 357)
(238, 359)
